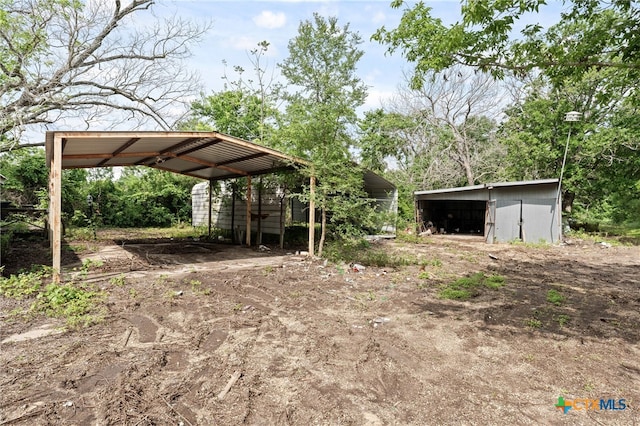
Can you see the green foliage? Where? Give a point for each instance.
(466, 287)
(74, 302)
(362, 252)
(533, 323)
(25, 284)
(555, 297)
(589, 34)
(321, 106)
(119, 281)
(70, 301)
(26, 173)
(233, 112)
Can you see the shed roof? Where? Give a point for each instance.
(205, 155)
(488, 186)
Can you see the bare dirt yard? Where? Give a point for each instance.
(197, 333)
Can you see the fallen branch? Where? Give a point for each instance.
(234, 378)
(176, 411)
(126, 339)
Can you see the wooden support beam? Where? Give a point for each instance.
(119, 150)
(312, 215)
(248, 236)
(55, 207)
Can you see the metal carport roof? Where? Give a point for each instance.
(205, 155)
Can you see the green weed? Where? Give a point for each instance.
(424, 275)
(533, 323)
(555, 297)
(25, 284)
(70, 301)
(118, 281)
(431, 262)
(470, 286)
(563, 319)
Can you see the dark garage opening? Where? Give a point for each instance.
(454, 216)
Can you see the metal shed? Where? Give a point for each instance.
(501, 211)
(224, 213)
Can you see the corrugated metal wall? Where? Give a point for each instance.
(385, 199)
(221, 210)
(535, 205)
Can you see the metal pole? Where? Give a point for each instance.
(564, 160)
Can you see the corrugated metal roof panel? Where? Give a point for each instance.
(210, 155)
(488, 186)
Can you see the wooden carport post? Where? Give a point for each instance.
(55, 205)
(248, 237)
(312, 215)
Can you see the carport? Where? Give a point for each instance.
(211, 156)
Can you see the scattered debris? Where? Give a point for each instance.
(357, 267)
(234, 378)
(380, 320)
(493, 256)
(263, 248)
(68, 404)
(179, 293)
(605, 245)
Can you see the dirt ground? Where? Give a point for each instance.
(310, 342)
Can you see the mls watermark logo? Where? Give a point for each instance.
(580, 404)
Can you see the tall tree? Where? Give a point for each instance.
(324, 93)
(602, 169)
(589, 34)
(63, 59)
(442, 134)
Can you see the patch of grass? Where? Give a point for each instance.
(431, 263)
(555, 297)
(267, 270)
(361, 251)
(196, 287)
(454, 294)
(405, 237)
(563, 320)
(533, 323)
(530, 244)
(466, 287)
(424, 275)
(118, 281)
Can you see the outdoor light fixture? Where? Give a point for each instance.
(572, 116)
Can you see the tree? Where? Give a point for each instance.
(442, 134)
(68, 59)
(324, 93)
(591, 34)
(603, 166)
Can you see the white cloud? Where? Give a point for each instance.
(378, 18)
(270, 20)
(243, 43)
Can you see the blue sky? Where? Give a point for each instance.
(239, 25)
